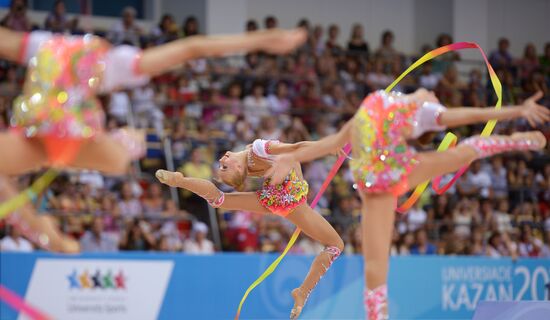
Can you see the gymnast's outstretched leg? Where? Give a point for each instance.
(316, 227)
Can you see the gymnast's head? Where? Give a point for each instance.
(232, 171)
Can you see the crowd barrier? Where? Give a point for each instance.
(178, 286)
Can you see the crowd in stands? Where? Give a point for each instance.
(500, 207)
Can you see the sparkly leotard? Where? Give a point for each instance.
(381, 159)
(58, 103)
(280, 199)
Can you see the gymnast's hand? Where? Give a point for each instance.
(280, 168)
(169, 178)
(533, 112)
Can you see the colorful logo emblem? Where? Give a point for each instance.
(97, 280)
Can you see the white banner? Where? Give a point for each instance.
(99, 289)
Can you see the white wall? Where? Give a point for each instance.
(432, 18)
(225, 16)
(470, 23)
(414, 22)
(86, 22)
(181, 9)
(521, 22)
(375, 16)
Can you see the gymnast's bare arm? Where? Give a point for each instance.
(533, 112)
(308, 151)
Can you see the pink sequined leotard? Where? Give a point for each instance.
(59, 103)
(381, 159)
(279, 199)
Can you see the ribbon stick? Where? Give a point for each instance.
(17, 303)
(296, 233)
(22, 198)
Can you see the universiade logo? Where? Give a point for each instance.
(97, 280)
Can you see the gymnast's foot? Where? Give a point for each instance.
(300, 299)
(537, 139)
(519, 141)
(168, 177)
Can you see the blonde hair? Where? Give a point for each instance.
(236, 180)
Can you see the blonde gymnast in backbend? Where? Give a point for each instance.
(385, 166)
(58, 120)
(286, 199)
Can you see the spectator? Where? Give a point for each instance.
(316, 42)
(271, 22)
(146, 110)
(308, 104)
(501, 58)
(480, 180)
(153, 202)
(529, 63)
(342, 217)
(528, 245)
(170, 238)
(386, 53)
(197, 167)
(16, 19)
(502, 218)
(476, 246)
(129, 205)
(351, 75)
(335, 102)
(269, 129)
(544, 60)
(251, 25)
(357, 43)
(120, 106)
(475, 92)
(495, 246)
(497, 175)
(137, 237)
(304, 23)
(535, 82)
(449, 88)
(166, 31)
(332, 42)
(96, 239)
(428, 79)
(378, 79)
(445, 61)
(10, 87)
(422, 246)
(198, 243)
(416, 217)
(405, 243)
(112, 220)
(256, 106)
(15, 242)
(463, 218)
(126, 31)
(190, 27)
(297, 131)
(279, 102)
(199, 113)
(57, 20)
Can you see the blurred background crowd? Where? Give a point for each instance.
(500, 207)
